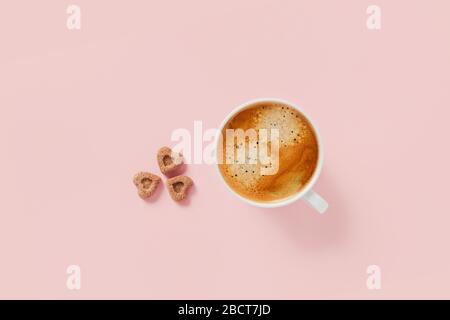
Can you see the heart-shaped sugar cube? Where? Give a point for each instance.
(178, 187)
(146, 183)
(168, 160)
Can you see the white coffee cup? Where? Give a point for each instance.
(306, 193)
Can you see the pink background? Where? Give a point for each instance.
(82, 111)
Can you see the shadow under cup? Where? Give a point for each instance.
(288, 132)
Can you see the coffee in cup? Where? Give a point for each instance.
(294, 152)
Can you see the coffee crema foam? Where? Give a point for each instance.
(298, 153)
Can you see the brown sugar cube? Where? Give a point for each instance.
(146, 183)
(178, 187)
(168, 160)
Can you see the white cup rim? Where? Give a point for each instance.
(311, 182)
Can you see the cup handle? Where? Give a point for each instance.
(316, 201)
